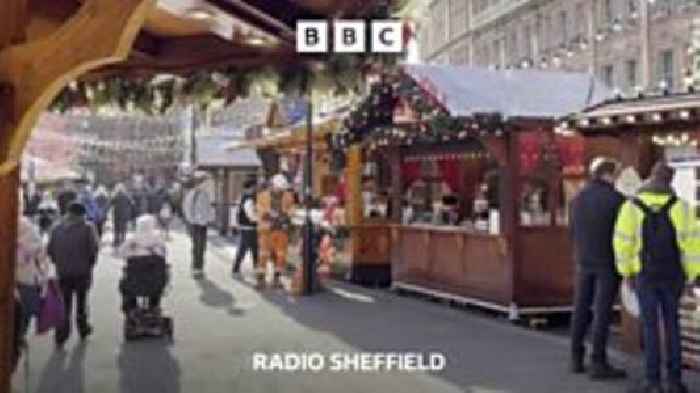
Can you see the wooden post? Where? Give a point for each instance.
(396, 192)
(353, 180)
(510, 208)
(9, 185)
(353, 199)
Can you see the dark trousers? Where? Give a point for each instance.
(249, 242)
(30, 297)
(596, 292)
(120, 229)
(664, 299)
(199, 245)
(100, 226)
(77, 287)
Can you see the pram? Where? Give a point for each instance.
(145, 280)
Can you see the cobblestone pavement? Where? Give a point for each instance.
(220, 322)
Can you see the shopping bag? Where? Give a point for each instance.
(52, 312)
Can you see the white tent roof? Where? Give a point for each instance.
(465, 91)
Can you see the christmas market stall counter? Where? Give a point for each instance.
(640, 131)
(473, 183)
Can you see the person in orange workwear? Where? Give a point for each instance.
(275, 207)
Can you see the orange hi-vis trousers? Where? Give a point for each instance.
(273, 244)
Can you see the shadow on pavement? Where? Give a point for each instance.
(483, 355)
(215, 297)
(148, 366)
(59, 376)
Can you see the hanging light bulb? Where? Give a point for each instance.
(557, 61)
(583, 44)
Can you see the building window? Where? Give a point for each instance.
(548, 32)
(581, 20)
(564, 22)
(528, 42)
(608, 11)
(608, 75)
(632, 6)
(631, 66)
(497, 53)
(666, 68)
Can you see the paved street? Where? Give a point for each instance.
(220, 323)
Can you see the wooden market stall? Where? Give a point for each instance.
(473, 184)
(639, 132)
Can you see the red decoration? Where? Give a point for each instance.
(572, 154)
(530, 144)
(410, 172)
(450, 172)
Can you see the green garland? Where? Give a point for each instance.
(156, 95)
(371, 122)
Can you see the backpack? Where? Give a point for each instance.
(242, 218)
(660, 254)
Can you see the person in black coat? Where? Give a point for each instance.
(65, 197)
(122, 213)
(73, 249)
(592, 221)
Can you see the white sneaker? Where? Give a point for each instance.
(197, 273)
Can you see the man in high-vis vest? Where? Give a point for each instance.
(657, 250)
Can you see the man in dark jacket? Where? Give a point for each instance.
(73, 248)
(247, 224)
(65, 197)
(122, 213)
(593, 214)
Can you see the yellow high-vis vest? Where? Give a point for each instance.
(627, 241)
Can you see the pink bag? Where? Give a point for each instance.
(52, 313)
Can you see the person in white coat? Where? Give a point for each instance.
(146, 240)
(198, 213)
(31, 271)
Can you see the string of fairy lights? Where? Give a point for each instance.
(615, 25)
(371, 121)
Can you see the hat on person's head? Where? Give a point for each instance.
(662, 173)
(76, 209)
(601, 166)
(279, 181)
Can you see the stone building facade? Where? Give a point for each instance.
(629, 44)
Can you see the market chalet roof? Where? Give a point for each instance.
(640, 111)
(212, 153)
(180, 36)
(467, 91)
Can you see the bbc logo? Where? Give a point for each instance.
(350, 36)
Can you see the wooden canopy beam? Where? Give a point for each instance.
(31, 74)
(274, 18)
(13, 18)
(102, 32)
